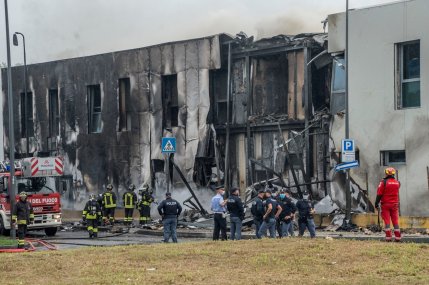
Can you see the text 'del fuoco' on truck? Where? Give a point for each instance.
(36, 176)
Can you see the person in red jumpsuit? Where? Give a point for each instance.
(388, 195)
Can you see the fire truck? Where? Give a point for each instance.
(37, 177)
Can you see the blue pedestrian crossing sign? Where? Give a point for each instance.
(168, 145)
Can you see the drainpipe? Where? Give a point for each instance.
(347, 134)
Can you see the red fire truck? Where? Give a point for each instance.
(36, 176)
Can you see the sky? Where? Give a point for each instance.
(58, 29)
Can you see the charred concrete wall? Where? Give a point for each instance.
(120, 153)
(269, 86)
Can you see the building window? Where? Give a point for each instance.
(408, 75)
(338, 86)
(170, 101)
(391, 157)
(218, 91)
(124, 99)
(54, 113)
(27, 115)
(94, 108)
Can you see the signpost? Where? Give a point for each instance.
(348, 153)
(168, 146)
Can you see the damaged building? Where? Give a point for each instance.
(388, 102)
(242, 111)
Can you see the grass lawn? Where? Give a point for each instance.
(302, 261)
(6, 241)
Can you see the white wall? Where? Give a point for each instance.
(374, 123)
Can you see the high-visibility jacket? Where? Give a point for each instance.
(109, 200)
(92, 210)
(146, 200)
(130, 199)
(22, 213)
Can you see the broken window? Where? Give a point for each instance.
(27, 115)
(408, 74)
(54, 113)
(338, 85)
(218, 90)
(391, 157)
(94, 108)
(124, 98)
(170, 101)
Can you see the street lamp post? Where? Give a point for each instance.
(11, 128)
(15, 43)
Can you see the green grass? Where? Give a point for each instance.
(6, 241)
(293, 261)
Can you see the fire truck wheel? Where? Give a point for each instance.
(3, 231)
(50, 232)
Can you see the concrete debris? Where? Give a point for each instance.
(326, 206)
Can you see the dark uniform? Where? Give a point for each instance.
(286, 216)
(270, 219)
(22, 215)
(236, 210)
(109, 205)
(305, 208)
(92, 216)
(258, 213)
(144, 207)
(169, 209)
(130, 201)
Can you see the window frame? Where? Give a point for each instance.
(337, 93)
(54, 122)
(399, 74)
(124, 120)
(90, 90)
(385, 157)
(29, 119)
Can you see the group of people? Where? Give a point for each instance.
(271, 211)
(101, 210)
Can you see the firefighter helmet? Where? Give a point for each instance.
(131, 187)
(23, 194)
(390, 171)
(92, 197)
(109, 187)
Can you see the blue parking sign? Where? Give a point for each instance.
(348, 145)
(168, 145)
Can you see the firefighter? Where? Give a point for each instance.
(91, 215)
(109, 205)
(22, 215)
(388, 195)
(130, 201)
(144, 205)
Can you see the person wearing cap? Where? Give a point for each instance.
(22, 215)
(257, 209)
(109, 205)
(169, 209)
(218, 208)
(306, 210)
(272, 212)
(236, 213)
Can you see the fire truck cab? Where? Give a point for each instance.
(36, 176)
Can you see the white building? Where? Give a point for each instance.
(388, 96)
